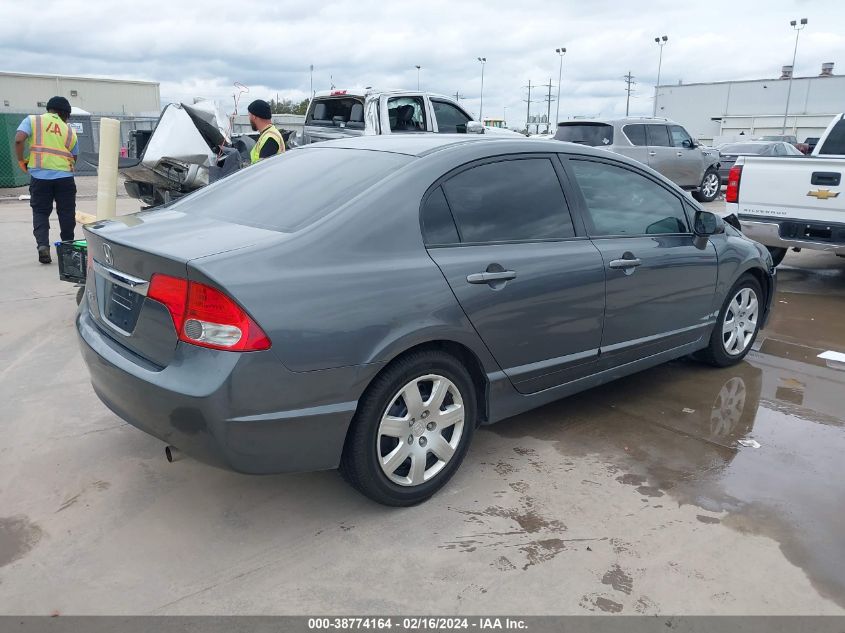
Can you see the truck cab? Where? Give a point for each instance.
(336, 114)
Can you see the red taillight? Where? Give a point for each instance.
(204, 316)
(732, 191)
(338, 92)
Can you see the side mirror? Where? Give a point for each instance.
(706, 224)
(474, 127)
(689, 144)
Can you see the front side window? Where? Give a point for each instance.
(623, 202)
(509, 200)
(635, 134)
(680, 136)
(450, 119)
(406, 114)
(658, 136)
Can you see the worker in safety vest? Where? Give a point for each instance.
(53, 149)
(270, 140)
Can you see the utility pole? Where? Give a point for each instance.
(529, 101)
(548, 105)
(797, 28)
(458, 96)
(630, 83)
(312, 81)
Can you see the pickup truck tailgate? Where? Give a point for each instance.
(795, 188)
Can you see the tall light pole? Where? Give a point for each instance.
(505, 115)
(797, 28)
(661, 42)
(312, 81)
(483, 61)
(560, 51)
(418, 77)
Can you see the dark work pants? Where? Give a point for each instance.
(42, 194)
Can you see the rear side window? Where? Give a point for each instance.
(509, 200)
(592, 134)
(406, 114)
(438, 225)
(623, 202)
(834, 144)
(635, 134)
(334, 111)
(658, 136)
(450, 120)
(288, 192)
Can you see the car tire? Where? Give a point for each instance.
(777, 254)
(737, 324)
(406, 470)
(710, 187)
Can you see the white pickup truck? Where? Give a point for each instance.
(790, 201)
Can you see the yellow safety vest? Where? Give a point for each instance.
(267, 133)
(51, 143)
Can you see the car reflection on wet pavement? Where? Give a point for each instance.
(675, 430)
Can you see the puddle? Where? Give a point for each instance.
(17, 536)
(674, 430)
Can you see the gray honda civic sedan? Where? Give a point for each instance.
(365, 304)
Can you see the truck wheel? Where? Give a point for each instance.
(777, 254)
(737, 324)
(412, 429)
(710, 187)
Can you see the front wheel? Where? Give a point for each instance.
(710, 187)
(737, 325)
(412, 429)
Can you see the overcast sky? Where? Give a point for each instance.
(200, 48)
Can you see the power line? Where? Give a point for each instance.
(529, 101)
(629, 84)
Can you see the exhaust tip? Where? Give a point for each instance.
(172, 454)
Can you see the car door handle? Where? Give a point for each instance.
(486, 278)
(624, 263)
(652, 153)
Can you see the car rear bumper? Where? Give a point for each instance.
(768, 232)
(244, 412)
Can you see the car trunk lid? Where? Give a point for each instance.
(125, 253)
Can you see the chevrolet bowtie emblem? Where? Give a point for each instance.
(823, 194)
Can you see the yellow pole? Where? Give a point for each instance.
(107, 168)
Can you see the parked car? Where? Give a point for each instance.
(410, 288)
(336, 114)
(793, 202)
(786, 138)
(731, 151)
(661, 144)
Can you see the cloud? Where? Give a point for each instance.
(200, 49)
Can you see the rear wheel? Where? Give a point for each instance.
(737, 325)
(412, 429)
(710, 187)
(777, 254)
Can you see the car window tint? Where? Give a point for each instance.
(835, 142)
(635, 134)
(679, 135)
(289, 192)
(623, 202)
(509, 200)
(438, 225)
(592, 134)
(406, 114)
(450, 120)
(658, 136)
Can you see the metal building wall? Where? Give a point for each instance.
(20, 92)
(718, 110)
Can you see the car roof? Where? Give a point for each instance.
(423, 144)
(611, 120)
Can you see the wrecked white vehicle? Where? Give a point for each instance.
(190, 147)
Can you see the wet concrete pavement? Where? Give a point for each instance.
(635, 497)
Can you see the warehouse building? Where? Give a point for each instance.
(732, 110)
(25, 92)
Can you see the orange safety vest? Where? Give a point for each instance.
(51, 143)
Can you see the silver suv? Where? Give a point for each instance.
(661, 144)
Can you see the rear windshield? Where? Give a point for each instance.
(593, 134)
(288, 192)
(335, 110)
(743, 148)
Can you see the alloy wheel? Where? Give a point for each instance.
(420, 430)
(740, 322)
(711, 184)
